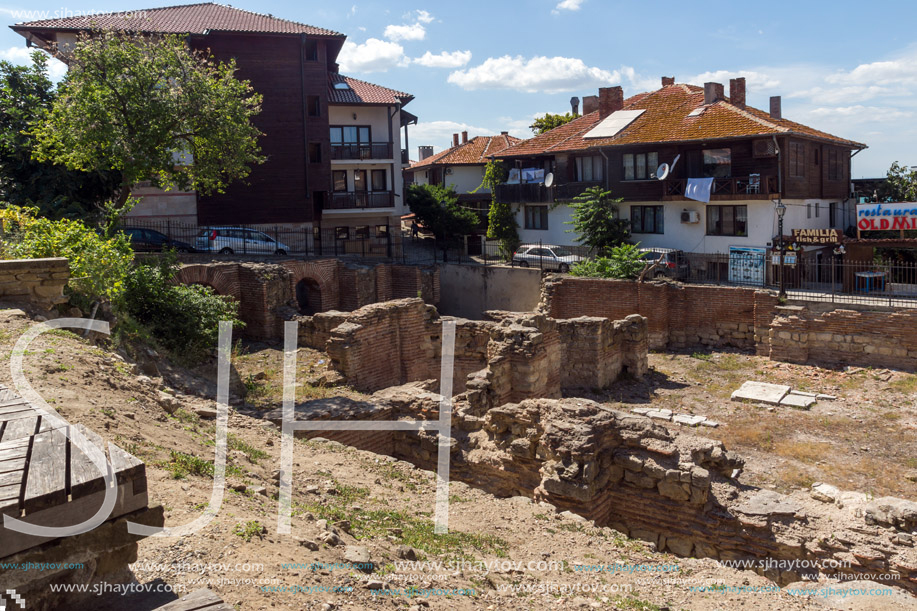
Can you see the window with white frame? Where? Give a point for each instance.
(640, 166)
(536, 217)
(589, 169)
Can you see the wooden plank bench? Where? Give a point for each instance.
(46, 479)
(199, 600)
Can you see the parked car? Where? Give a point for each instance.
(545, 256)
(150, 240)
(674, 263)
(230, 240)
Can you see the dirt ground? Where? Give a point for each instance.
(862, 441)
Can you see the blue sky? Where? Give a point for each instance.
(849, 68)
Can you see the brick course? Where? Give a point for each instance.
(37, 281)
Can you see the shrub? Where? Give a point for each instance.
(98, 265)
(182, 319)
(625, 261)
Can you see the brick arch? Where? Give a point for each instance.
(322, 273)
(223, 279)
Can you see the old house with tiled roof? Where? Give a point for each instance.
(461, 165)
(737, 158)
(333, 143)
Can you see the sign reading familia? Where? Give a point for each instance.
(874, 217)
(817, 236)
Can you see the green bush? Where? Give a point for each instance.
(182, 319)
(625, 261)
(98, 265)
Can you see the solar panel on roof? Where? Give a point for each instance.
(612, 125)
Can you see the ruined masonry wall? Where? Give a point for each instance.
(37, 281)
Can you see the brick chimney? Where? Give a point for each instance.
(712, 92)
(574, 106)
(464, 137)
(611, 99)
(424, 151)
(776, 111)
(590, 104)
(504, 133)
(737, 91)
(668, 80)
(455, 140)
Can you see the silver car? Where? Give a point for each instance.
(232, 240)
(545, 256)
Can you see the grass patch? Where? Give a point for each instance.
(250, 530)
(804, 451)
(633, 604)
(702, 356)
(906, 385)
(253, 453)
(181, 465)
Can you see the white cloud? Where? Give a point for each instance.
(374, 55)
(22, 56)
(455, 59)
(901, 71)
(753, 79)
(860, 114)
(538, 74)
(439, 134)
(568, 5)
(424, 17)
(405, 32)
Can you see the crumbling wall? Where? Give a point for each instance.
(37, 281)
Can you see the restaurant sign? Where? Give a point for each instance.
(817, 236)
(876, 217)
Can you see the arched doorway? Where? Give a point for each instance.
(309, 296)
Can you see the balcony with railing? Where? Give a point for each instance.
(538, 193)
(361, 152)
(754, 186)
(356, 200)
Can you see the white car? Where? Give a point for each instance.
(238, 240)
(545, 256)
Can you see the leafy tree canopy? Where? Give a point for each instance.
(596, 222)
(550, 121)
(26, 97)
(437, 209)
(155, 111)
(624, 261)
(900, 185)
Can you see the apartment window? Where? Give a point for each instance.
(311, 50)
(378, 180)
(808, 210)
(315, 152)
(536, 217)
(832, 212)
(727, 220)
(314, 105)
(588, 169)
(350, 134)
(834, 165)
(361, 232)
(381, 231)
(317, 234)
(359, 180)
(640, 166)
(797, 159)
(339, 178)
(646, 219)
(717, 163)
(342, 233)
(817, 209)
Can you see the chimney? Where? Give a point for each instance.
(423, 152)
(776, 112)
(590, 104)
(455, 140)
(611, 99)
(737, 91)
(574, 106)
(464, 137)
(668, 80)
(504, 133)
(712, 92)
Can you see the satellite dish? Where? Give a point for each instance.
(663, 170)
(549, 179)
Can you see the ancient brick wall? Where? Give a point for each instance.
(37, 281)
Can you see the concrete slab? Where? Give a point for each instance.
(797, 401)
(768, 503)
(821, 397)
(642, 410)
(761, 392)
(660, 414)
(711, 423)
(803, 393)
(688, 420)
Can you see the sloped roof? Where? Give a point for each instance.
(181, 19)
(361, 92)
(666, 120)
(475, 151)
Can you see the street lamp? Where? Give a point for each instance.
(781, 210)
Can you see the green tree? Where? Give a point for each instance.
(26, 97)
(624, 261)
(549, 121)
(153, 110)
(501, 218)
(596, 222)
(437, 209)
(900, 184)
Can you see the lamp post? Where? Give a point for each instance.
(781, 210)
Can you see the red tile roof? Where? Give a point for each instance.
(475, 151)
(182, 19)
(666, 120)
(361, 92)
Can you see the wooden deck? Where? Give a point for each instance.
(46, 479)
(199, 600)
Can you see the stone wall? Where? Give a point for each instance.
(37, 281)
(699, 316)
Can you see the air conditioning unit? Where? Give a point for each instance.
(765, 148)
(448, 171)
(690, 216)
